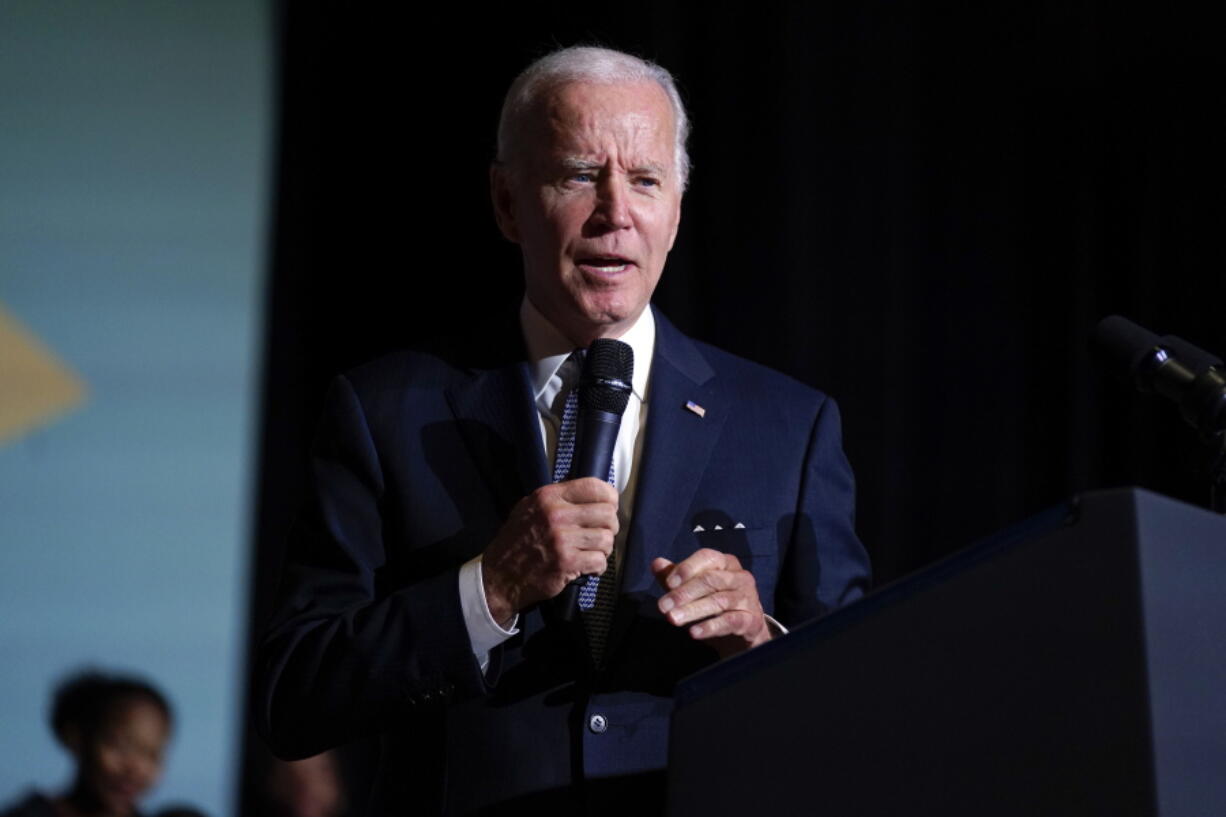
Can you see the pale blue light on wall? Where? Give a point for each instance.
(134, 182)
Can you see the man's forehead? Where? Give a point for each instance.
(645, 93)
(582, 114)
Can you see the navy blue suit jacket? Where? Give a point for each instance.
(419, 458)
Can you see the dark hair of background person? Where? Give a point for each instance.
(89, 700)
(922, 210)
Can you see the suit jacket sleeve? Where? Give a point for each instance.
(341, 657)
(825, 567)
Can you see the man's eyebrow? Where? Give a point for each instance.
(649, 170)
(578, 163)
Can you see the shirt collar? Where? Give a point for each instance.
(548, 348)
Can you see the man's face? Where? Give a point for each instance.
(594, 202)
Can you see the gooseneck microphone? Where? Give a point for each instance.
(604, 391)
(1168, 365)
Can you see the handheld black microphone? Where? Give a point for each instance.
(1168, 365)
(604, 391)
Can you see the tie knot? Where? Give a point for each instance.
(572, 369)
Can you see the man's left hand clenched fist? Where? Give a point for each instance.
(716, 597)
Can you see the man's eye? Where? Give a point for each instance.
(581, 178)
(648, 181)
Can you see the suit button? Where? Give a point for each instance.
(598, 723)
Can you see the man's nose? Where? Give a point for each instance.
(612, 204)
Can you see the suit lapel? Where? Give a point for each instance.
(675, 454)
(496, 414)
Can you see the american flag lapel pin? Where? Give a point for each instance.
(694, 407)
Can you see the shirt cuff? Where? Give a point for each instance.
(484, 634)
(776, 628)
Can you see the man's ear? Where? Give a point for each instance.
(504, 202)
(676, 217)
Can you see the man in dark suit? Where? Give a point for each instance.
(419, 595)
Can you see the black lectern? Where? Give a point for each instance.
(1073, 665)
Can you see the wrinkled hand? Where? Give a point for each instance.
(553, 536)
(713, 590)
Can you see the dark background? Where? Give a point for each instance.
(921, 209)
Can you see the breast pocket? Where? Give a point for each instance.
(754, 544)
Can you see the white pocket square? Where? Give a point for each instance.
(701, 529)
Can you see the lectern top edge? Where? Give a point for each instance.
(697, 686)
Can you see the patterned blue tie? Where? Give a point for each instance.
(596, 594)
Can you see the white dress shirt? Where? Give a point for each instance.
(548, 349)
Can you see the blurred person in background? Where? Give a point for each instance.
(116, 729)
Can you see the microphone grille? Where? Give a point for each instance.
(1123, 345)
(608, 369)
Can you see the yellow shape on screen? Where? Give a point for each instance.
(35, 386)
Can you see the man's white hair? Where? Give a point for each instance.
(584, 64)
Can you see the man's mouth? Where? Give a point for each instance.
(605, 264)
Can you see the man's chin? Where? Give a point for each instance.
(611, 307)
(609, 323)
(593, 315)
